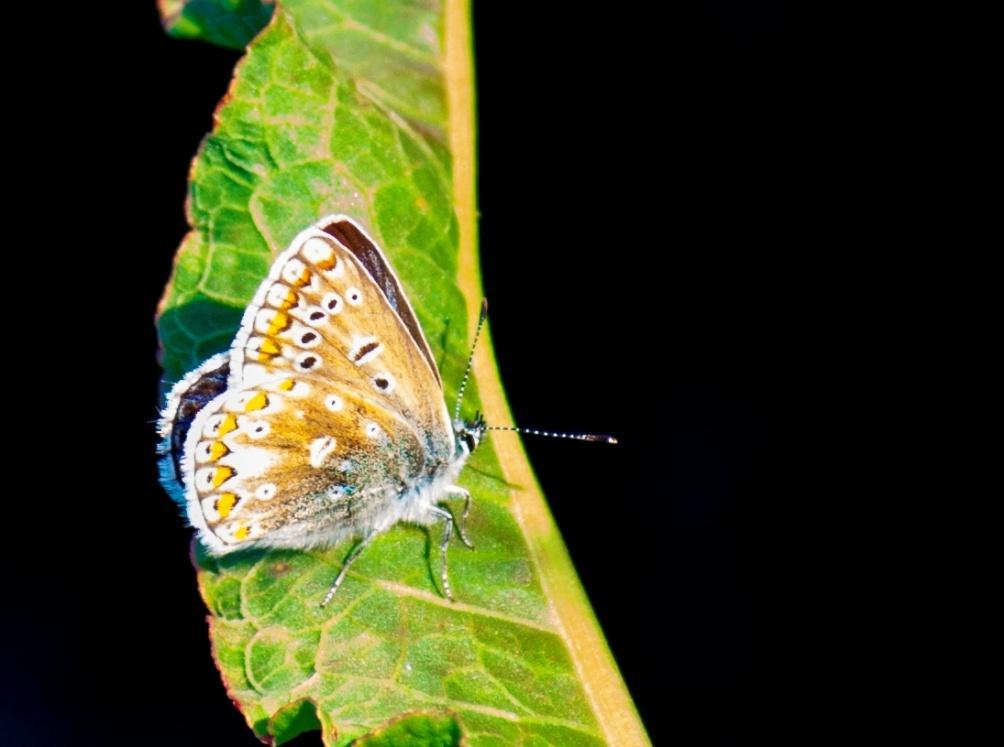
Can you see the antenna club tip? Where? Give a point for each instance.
(484, 307)
(612, 440)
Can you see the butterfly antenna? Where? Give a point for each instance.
(470, 358)
(596, 437)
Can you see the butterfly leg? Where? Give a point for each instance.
(447, 518)
(459, 492)
(356, 551)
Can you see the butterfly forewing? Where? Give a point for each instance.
(291, 459)
(321, 314)
(353, 238)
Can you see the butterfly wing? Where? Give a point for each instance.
(333, 404)
(296, 462)
(186, 399)
(332, 308)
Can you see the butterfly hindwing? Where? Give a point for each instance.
(186, 399)
(295, 461)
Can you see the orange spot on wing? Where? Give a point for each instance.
(241, 533)
(225, 504)
(287, 385)
(220, 476)
(216, 450)
(328, 262)
(268, 347)
(259, 357)
(229, 423)
(279, 322)
(289, 300)
(257, 402)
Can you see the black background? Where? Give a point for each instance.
(634, 184)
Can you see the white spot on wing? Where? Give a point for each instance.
(212, 428)
(204, 477)
(372, 430)
(294, 271)
(255, 429)
(316, 250)
(320, 449)
(250, 461)
(278, 295)
(333, 402)
(255, 373)
(264, 318)
(209, 509)
(265, 491)
(203, 451)
(354, 297)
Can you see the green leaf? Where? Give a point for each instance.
(318, 122)
(228, 23)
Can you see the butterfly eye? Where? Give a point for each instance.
(469, 440)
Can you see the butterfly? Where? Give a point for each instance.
(326, 418)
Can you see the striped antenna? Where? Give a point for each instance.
(597, 437)
(470, 358)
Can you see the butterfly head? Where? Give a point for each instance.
(469, 433)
